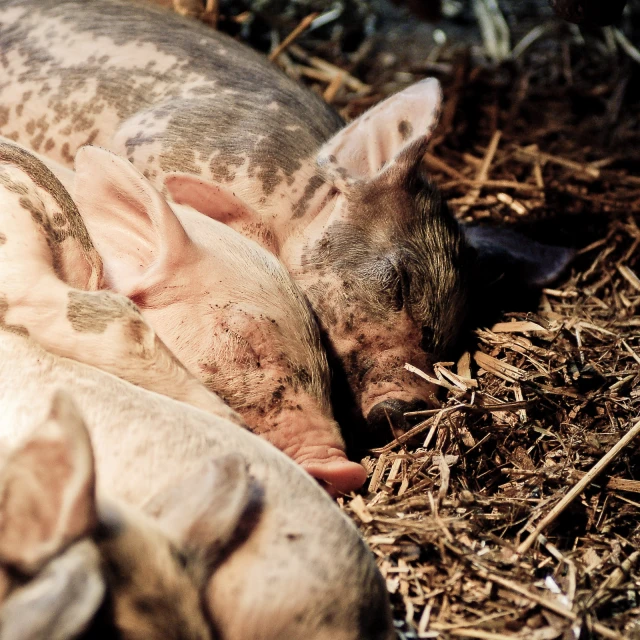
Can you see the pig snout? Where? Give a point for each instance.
(338, 475)
(387, 414)
(315, 443)
(390, 391)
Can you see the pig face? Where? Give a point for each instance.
(389, 274)
(389, 280)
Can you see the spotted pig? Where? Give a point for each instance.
(349, 210)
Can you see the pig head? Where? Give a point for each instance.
(287, 563)
(348, 210)
(62, 551)
(224, 305)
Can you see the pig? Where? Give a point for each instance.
(224, 305)
(348, 209)
(63, 549)
(293, 565)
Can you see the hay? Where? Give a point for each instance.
(548, 142)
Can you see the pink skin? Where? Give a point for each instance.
(277, 150)
(252, 339)
(225, 307)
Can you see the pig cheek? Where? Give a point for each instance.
(374, 349)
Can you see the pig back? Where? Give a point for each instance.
(113, 59)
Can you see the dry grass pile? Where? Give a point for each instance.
(547, 142)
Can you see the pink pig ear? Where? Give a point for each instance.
(132, 226)
(47, 490)
(361, 149)
(209, 198)
(221, 204)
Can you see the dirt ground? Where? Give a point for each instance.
(540, 133)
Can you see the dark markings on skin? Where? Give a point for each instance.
(3, 239)
(191, 132)
(11, 184)
(222, 168)
(11, 328)
(4, 116)
(93, 312)
(44, 179)
(390, 217)
(300, 207)
(405, 129)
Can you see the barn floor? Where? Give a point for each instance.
(547, 142)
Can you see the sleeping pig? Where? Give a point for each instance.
(226, 307)
(286, 564)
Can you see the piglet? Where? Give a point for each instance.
(225, 306)
(291, 566)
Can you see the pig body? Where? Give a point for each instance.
(297, 569)
(62, 550)
(348, 210)
(225, 306)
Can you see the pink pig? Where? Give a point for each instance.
(348, 209)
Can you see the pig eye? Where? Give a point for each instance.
(428, 339)
(397, 296)
(400, 289)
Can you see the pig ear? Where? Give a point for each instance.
(214, 507)
(506, 253)
(60, 601)
(360, 150)
(47, 490)
(132, 226)
(218, 203)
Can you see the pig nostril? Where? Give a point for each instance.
(387, 419)
(415, 407)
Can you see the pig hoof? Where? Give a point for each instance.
(384, 416)
(337, 477)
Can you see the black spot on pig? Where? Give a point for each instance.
(405, 129)
(300, 207)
